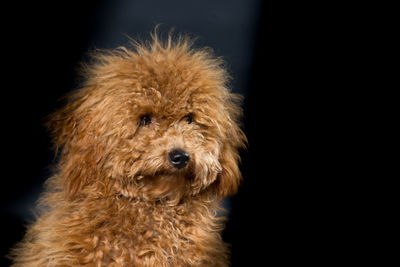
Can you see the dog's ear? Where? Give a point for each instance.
(63, 124)
(228, 180)
(80, 167)
(73, 144)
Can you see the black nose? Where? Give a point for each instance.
(178, 158)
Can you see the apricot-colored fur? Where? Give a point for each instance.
(114, 198)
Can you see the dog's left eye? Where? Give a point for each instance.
(188, 118)
(145, 120)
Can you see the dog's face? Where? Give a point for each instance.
(157, 123)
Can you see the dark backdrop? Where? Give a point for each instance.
(268, 50)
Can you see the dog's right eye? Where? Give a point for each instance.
(145, 120)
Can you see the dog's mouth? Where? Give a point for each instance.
(166, 174)
(163, 185)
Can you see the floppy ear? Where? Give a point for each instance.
(75, 147)
(63, 124)
(80, 167)
(228, 180)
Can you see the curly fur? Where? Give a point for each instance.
(114, 199)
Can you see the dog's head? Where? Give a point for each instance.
(156, 122)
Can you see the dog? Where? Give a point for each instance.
(147, 148)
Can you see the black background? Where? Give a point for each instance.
(276, 55)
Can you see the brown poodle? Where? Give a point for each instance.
(148, 147)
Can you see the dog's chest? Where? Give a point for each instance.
(160, 237)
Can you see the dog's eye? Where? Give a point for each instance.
(145, 120)
(188, 118)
